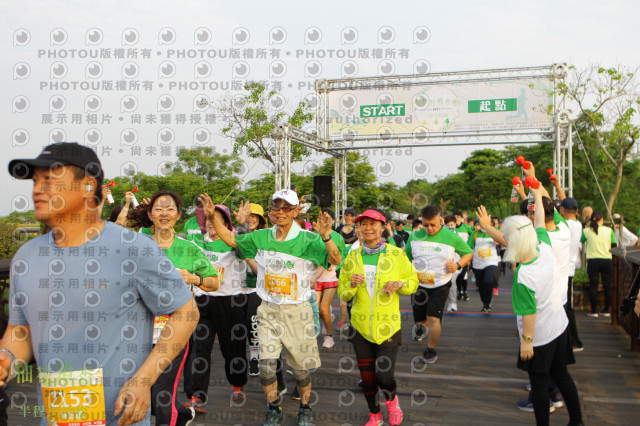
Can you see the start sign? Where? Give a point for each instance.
(393, 110)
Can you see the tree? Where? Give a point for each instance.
(255, 118)
(607, 99)
(19, 217)
(361, 179)
(204, 162)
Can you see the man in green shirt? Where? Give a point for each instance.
(432, 251)
(287, 258)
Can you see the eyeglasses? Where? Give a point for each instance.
(285, 209)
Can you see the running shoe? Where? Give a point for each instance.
(237, 395)
(305, 417)
(578, 348)
(418, 333)
(605, 314)
(556, 400)
(592, 315)
(193, 416)
(273, 417)
(328, 342)
(459, 295)
(452, 308)
(495, 291)
(395, 413)
(465, 297)
(375, 419)
(528, 406)
(254, 367)
(197, 404)
(429, 356)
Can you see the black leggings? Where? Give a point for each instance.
(164, 404)
(222, 316)
(461, 281)
(602, 268)
(484, 281)
(540, 394)
(377, 364)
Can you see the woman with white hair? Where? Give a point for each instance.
(545, 350)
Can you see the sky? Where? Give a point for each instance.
(51, 88)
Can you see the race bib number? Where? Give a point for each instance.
(285, 285)
(485, 252)
(160, 322)
(74, 398)
(220, 271)
(427, 278)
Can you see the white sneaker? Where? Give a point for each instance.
(328, 342)
(193, 416)
(452, 308)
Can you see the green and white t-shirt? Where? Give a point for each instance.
(429, 254)
(188, 256)
(561, 244)
(464, 231)
(191, 228)
(598, 245)
(232, 271)
(533, 293)
(484, 250)
(370, 267)
(575, 228)
(285, 268)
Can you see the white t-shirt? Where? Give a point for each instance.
(575, 228)
(430, 254)
(484, 250)
(628, 238)
(561, 244)
(533, 292)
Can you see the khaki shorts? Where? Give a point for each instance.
(291, 327)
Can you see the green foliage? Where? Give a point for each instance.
(10, 240)
(204, 162)
(19, 217)
(254, 121)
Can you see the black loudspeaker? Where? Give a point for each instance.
(323, 190)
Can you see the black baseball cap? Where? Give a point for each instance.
(56, 155)
(569, 203)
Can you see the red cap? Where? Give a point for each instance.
(372, 214)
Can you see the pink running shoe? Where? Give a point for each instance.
(374, 419)
(395, 413)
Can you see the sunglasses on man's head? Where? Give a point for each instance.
(285, 209)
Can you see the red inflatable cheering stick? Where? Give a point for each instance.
(109, 196)
(532, 182)
(552, 177)
(526, 165)
(134, 200)
(520, 160)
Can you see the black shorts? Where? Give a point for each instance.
(557, 353)
(429, 302)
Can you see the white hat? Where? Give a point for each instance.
(287, 195)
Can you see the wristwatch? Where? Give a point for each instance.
(527, 339)
(459, 267)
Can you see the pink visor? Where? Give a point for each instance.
(372, 214)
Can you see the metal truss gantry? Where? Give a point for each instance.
(338, 147)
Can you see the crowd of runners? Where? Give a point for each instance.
(135, 314)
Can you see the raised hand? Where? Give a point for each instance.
(243, 212)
